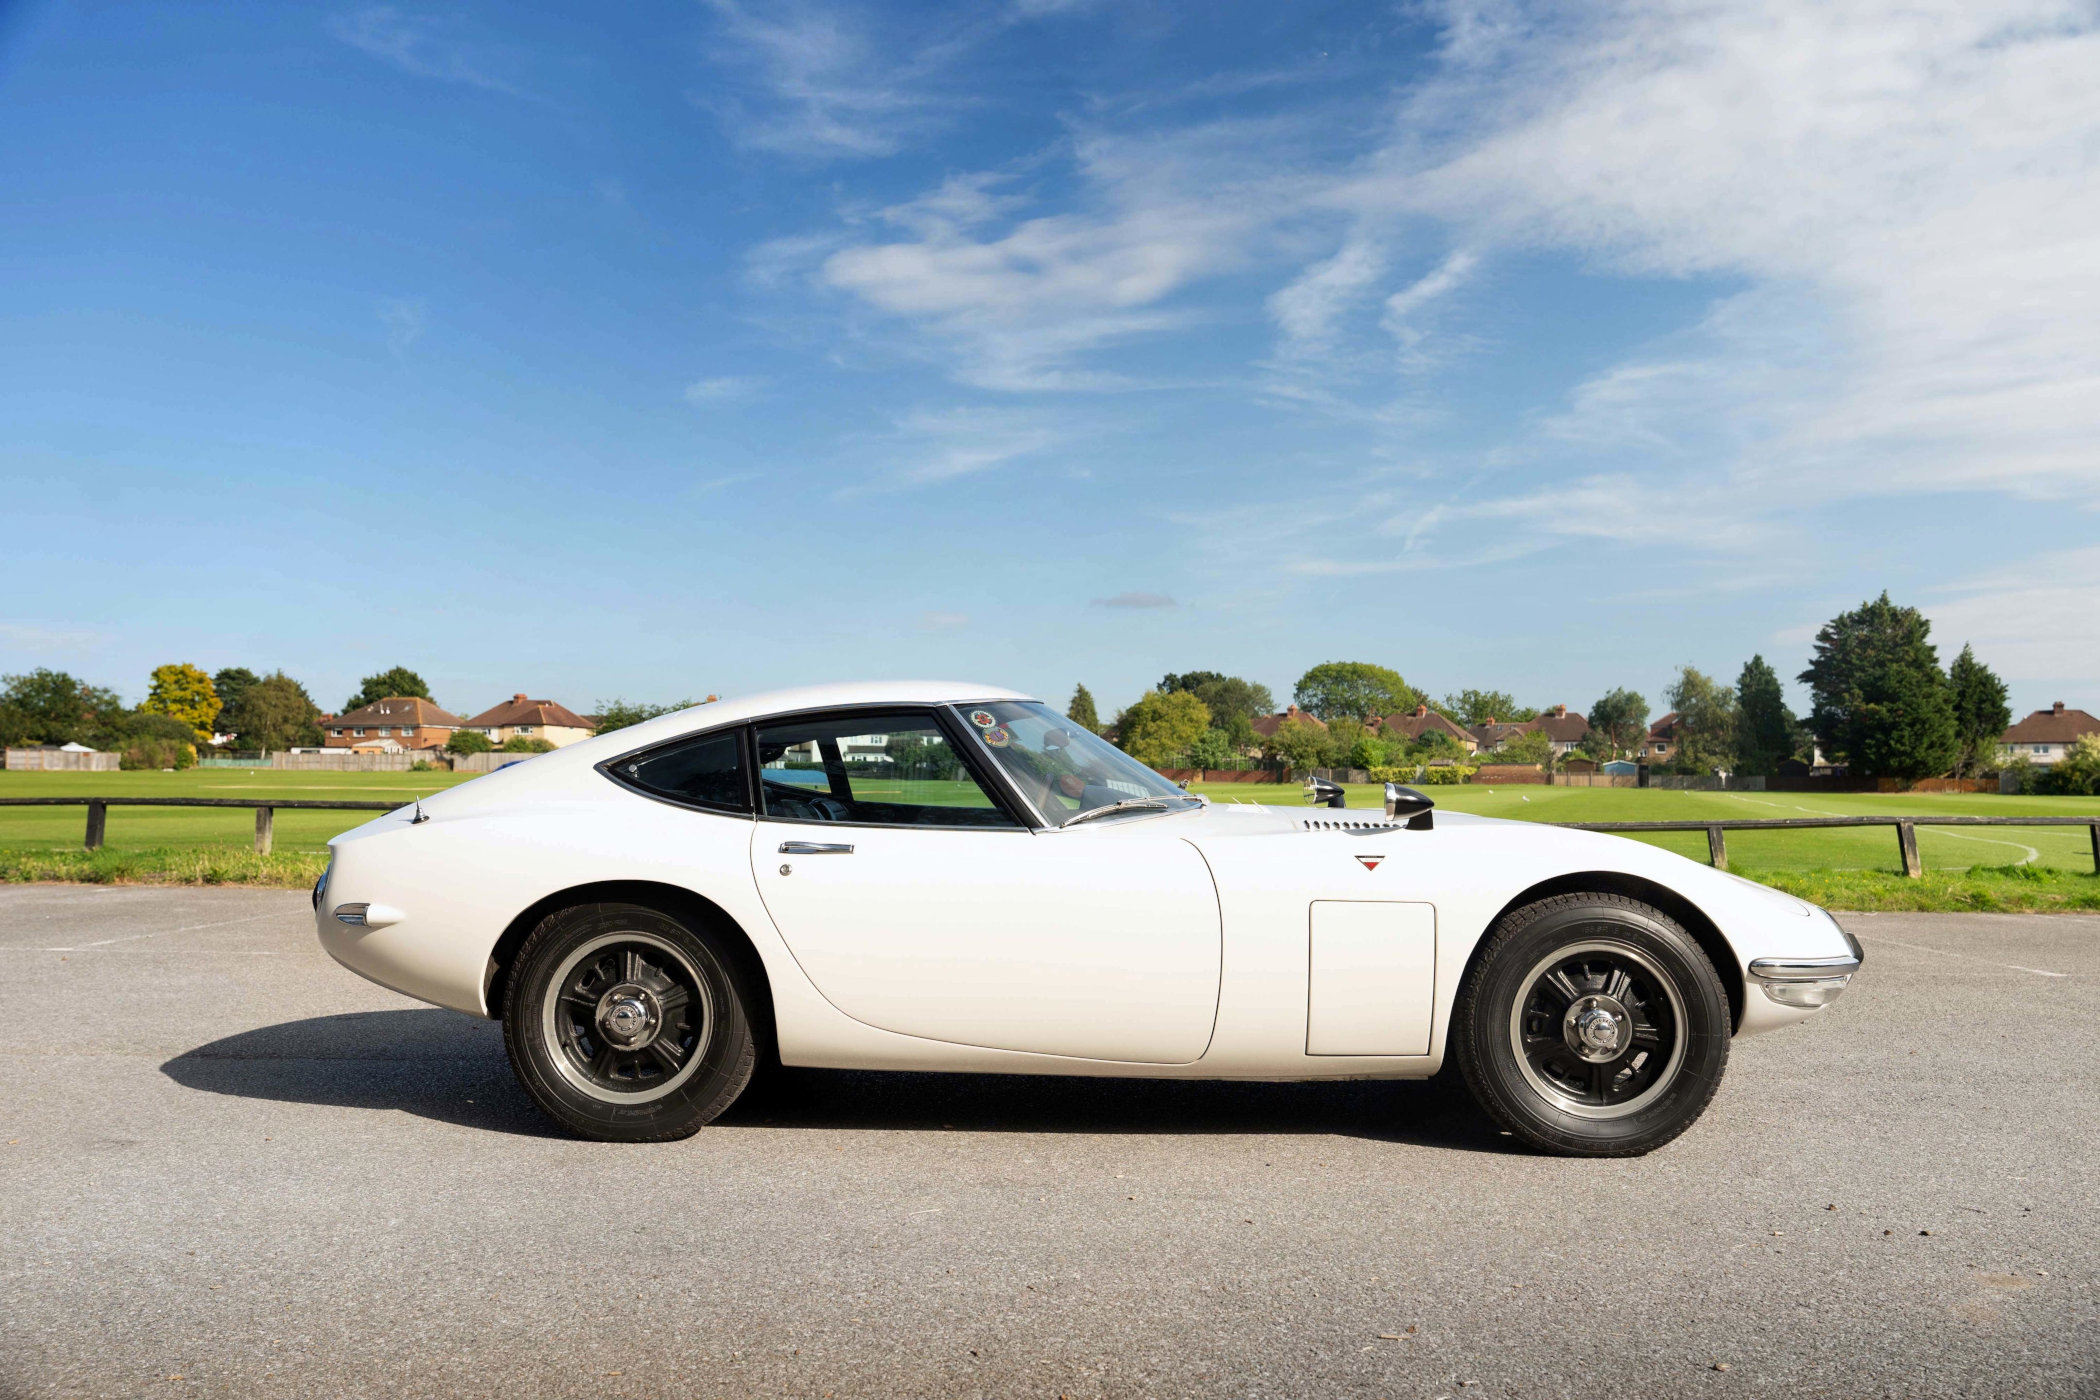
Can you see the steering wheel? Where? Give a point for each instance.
(829, 809)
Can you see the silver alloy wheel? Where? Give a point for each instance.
(639, 1004)
(1601, 1027)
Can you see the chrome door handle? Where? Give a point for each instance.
(815, 848)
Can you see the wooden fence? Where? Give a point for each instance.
(61, 761)
(1906, 831)
(265, 810)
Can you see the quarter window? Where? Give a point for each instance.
(874, 769)
(704, 772)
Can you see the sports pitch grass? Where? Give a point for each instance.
(2014, 868)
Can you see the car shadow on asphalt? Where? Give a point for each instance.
(450, 1067)
(443, 1065)
(1427, 1113)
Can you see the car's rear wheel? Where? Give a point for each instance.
(625, 1024)
(1592, 1025)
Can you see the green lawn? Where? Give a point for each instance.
(2022, 867)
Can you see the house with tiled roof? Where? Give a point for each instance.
(397, 724)
(2045, 736)
(1565, 730)
(1267, 725)
(1492, 733)
(522, 718)
(1420, 721)
(1661, 744)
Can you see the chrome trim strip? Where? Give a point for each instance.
(815, 848)
(1802, 969)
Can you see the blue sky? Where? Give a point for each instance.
(660, 349)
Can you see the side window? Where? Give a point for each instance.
(703, 772)
(875, 769)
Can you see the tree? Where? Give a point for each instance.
(1619, 721)
(1355, 689)
(1480, 706)
(1298, 743)
(1532, 746)
(1765, 727)
(232, 683)
(469, 741)
(52, 707)
(182, 691)
(1160, 728)
(520, 743)
(274, 713)
(1706, 721)
(398, 681)
(1214, 749)
(2077, 773)
(1224, 696)
(622, 714)
(1882, 706)
(1980, 711)
(1082, 712)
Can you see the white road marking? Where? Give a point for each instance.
(1963, 957)
(134, 937)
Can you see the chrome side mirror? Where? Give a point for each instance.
(1322, 793)
(1405, 802)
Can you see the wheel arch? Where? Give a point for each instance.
(674, 900)
(1704, 931)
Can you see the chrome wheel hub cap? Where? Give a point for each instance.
(628, 1015)
(1597, 1028)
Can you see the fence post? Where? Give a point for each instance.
(1907, 843)
(2094, 832)
(98, 819)
(265, 829)
(1716, 847)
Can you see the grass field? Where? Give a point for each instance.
(2017, 868)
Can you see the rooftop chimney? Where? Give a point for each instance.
(2057, 708)
(1422, 711)
(518, 699)
(1560, 711)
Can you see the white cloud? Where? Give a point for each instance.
(1139, 601)
(723, 386)
(1403, 309)
(422, 47)
(404, 320)
(1308, 310)
(2037, 622)
(37, 638)
(944, 620)
(928, 447)
(825, 84)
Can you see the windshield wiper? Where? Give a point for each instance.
(1128, 804)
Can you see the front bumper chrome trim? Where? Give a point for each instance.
(1802, 969)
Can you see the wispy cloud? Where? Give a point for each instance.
(944, 621)
(424, 46)
(1137, 600)
(723, 386)
(930, 447)
(35, 637)
(404, 320)
(2038, 621)
(821, 81)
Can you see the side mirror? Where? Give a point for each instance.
(1322, 793)
(1414, 806)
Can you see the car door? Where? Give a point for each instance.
(919, 902)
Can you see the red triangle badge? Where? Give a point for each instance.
(1370, 862)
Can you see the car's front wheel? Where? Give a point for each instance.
(624, 1024)
(1592, 1025)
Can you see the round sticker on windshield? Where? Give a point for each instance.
(983, 719)
(998, 738)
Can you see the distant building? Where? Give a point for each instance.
(1267, 725)
(1565, 730)
(2045, 736)
(1661, 744)
(1492, 733)
(522, 718)
(1420, 721)
(397, 724)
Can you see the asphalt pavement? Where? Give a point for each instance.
(230, 1167)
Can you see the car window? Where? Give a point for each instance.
(878, 769)
(704, 772)
(1064, 768)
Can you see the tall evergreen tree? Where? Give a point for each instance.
(1980, 711)
(1082, 712)
(1764, 727)
(1882, 705)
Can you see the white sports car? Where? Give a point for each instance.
(954, 877)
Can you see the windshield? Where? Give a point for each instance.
(1061, 767)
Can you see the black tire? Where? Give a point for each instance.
(625, 1024)
(1638, 1012)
